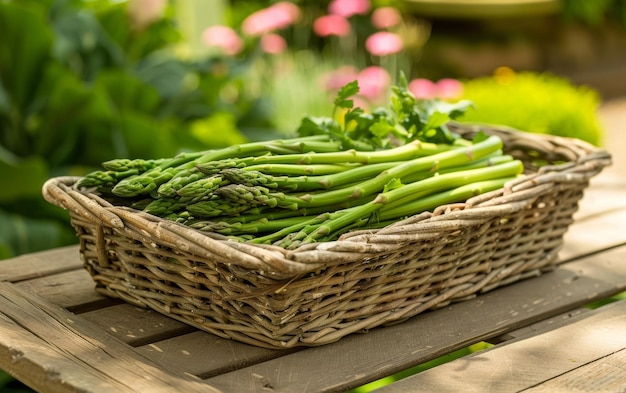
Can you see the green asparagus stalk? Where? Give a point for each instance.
(350, 176)
(263, 196)
(165, 206)
(254, 224)
(125, 164)
(215, 164)
(180, 165)
(490, 160)
(308, 170)
(405, 152)
(434, 162)
(263, 225)
(219, 207)
(403, 209)
(104, 181)
(202, 187)
(319, 227)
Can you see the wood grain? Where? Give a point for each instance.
(40, 264)
(205, 355)
(559, 355)
(49, 341)
(73, 290)
(136, 326)
(603, 375)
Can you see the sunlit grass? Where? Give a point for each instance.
(296, 90)
(422, 367)
(603, 302)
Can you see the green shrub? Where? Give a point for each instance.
(539, 103)
(595, 13)
(79, 85)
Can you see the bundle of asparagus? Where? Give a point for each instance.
(352, 170)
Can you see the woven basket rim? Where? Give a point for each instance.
(583, 161)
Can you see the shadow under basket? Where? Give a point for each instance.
(314, 295)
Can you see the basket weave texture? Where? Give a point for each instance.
(271, 297)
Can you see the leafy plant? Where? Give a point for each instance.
(595, 13)
(85, 85)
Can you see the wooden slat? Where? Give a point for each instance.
(56, 351)
(136, 326)
(73, 290)
(510, 368)
(601, 200)
(600, 221)
(542, 326)
(387, 350)
(40, 264)
(592, 234)
(206, 355)
(603, 375)
(31, 360)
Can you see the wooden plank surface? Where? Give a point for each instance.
(600, 221)
(165, 344)
(134, 325)
(206, 355)
(40, 341)
(391, 349)
(73, 290)
(40, 264)
(510, 368)
(542, 326)
(603, 375)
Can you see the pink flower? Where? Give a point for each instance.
(224, 38)
(328, 25)
(373, 82)
(335, 80)
(383, 43)
(386, 17)
(273, 44)
(445, 89)
(347, 8)
(360, 102)
(423, 88)
(449, 89)
(275, 17)
(144, 12)
(287, 10)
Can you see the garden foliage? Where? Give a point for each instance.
(86, 81)
(82, 84)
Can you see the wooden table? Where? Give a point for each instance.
(58, 335)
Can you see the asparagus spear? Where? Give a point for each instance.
(354, 175)
(323, 225)
(446, 159)
(180, 165)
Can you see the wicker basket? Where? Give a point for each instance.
(319, 293)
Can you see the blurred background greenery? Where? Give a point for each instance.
(85, 81)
